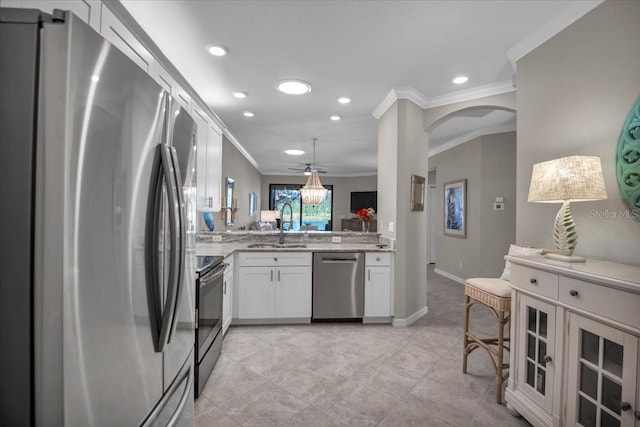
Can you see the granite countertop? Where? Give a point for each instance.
(224, 249)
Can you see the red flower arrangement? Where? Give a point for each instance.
(365, 214)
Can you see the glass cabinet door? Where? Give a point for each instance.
(536, 345)
(602, 375)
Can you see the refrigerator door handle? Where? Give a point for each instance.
(180, 253)
(175, 238)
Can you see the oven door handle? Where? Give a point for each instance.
(214, 274)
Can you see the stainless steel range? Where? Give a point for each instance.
(209, 295)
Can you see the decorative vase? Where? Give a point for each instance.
(208, 220)
(365, 226)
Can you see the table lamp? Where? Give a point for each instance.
(565, 180)
(268, 217)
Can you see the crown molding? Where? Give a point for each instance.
(469, 136)
(571, 14)
(437, 101)
(470, 94)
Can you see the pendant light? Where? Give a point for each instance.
(313, 193)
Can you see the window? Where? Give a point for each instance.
(304, 216)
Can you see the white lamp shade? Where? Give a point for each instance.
(313, 193)
(573, 178)
(268, 216)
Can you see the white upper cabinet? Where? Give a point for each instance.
(116, 32)
(209, 164)
(87, 10)
(169, 84)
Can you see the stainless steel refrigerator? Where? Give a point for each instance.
(97, 243)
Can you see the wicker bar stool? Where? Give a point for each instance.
(495, 294)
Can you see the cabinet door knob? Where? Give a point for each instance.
(547, 359)
(378, 259)
(637, 414)
(625, 406)
(533, 281)
(573, 293)
(275, 259)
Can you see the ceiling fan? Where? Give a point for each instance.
(310, 166)
(307, 169)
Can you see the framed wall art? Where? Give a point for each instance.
(455, 208)
(416, 202)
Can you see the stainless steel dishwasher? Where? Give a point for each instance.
(338, 285)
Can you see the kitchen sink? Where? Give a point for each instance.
(276, 245)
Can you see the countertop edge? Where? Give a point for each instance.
(591, 271)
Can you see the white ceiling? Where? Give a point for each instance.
(359, 49)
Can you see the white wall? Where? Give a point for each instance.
(342, 188)
(574, 93)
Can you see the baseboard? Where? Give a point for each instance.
(403, 323)
(449, 276)
(277, 321)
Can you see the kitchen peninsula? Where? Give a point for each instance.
(271, 283)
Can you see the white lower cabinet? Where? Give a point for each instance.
(535, 340)
(227, 297)
(575, 335)
(274, 291)
(377, 285)
(602, 375)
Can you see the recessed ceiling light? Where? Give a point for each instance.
(240, 95)
(335, 118)
(217, 49)
(293, 87)
(248, 114)
(460, 79)
(294, 152)
(344, 100)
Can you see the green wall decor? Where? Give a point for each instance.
(628, 160)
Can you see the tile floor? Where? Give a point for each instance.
(341, 374)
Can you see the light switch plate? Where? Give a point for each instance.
(336, 239)
(216, 238)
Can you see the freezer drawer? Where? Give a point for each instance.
(338, 285)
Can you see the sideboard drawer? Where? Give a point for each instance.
(540, 282)
(615, 304)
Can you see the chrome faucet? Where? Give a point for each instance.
(281, 241)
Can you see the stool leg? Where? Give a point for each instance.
(499, 365)
(465, 351)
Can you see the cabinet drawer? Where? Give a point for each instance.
(537, 281)
(252, 259)
(377, 258)
(612, 303)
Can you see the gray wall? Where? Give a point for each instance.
(489, 165)
(574, 93)
(247, 180)
(402, 151)
(342, 188)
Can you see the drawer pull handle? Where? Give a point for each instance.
(573, 293)
(275, 259)
(533, 281)
(547, 359)
(625, 406)
(378, 259)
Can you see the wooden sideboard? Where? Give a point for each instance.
(575, 339)
(354, 224)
